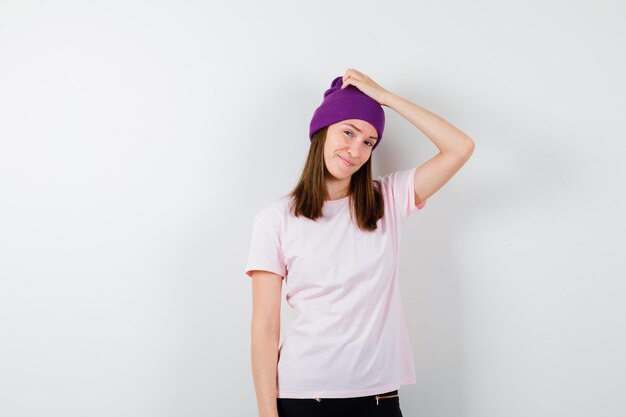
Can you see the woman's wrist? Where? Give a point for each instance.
(387, 98)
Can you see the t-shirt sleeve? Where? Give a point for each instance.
(399, 187)
(265, 253)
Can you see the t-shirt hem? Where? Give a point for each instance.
(345, 394)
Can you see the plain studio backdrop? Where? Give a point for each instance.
(139, 138)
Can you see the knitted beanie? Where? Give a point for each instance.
(348, 103)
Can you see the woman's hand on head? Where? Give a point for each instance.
(365, 84)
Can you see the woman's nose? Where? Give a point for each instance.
(354, 149)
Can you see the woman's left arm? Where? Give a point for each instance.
(455, 147)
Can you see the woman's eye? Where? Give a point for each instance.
(369, 143)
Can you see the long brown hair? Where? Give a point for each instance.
(309, 195)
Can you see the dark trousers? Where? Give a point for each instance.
(367, 406)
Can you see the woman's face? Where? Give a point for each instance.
(348, 146)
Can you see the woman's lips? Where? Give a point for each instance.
(346, 162)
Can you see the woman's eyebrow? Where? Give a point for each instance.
(359, 130)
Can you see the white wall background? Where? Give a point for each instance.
(139, 138)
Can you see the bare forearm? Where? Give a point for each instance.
(264, 368)
(446, 137)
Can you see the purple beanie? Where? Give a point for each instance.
(349, 103)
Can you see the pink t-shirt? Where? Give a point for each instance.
(349, 337)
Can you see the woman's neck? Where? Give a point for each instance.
(337, 189)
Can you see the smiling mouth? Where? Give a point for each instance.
(346, 162)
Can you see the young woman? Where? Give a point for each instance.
(334, 241)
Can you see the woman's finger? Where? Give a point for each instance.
(358, 73)
(351, 73)
(351, 80)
